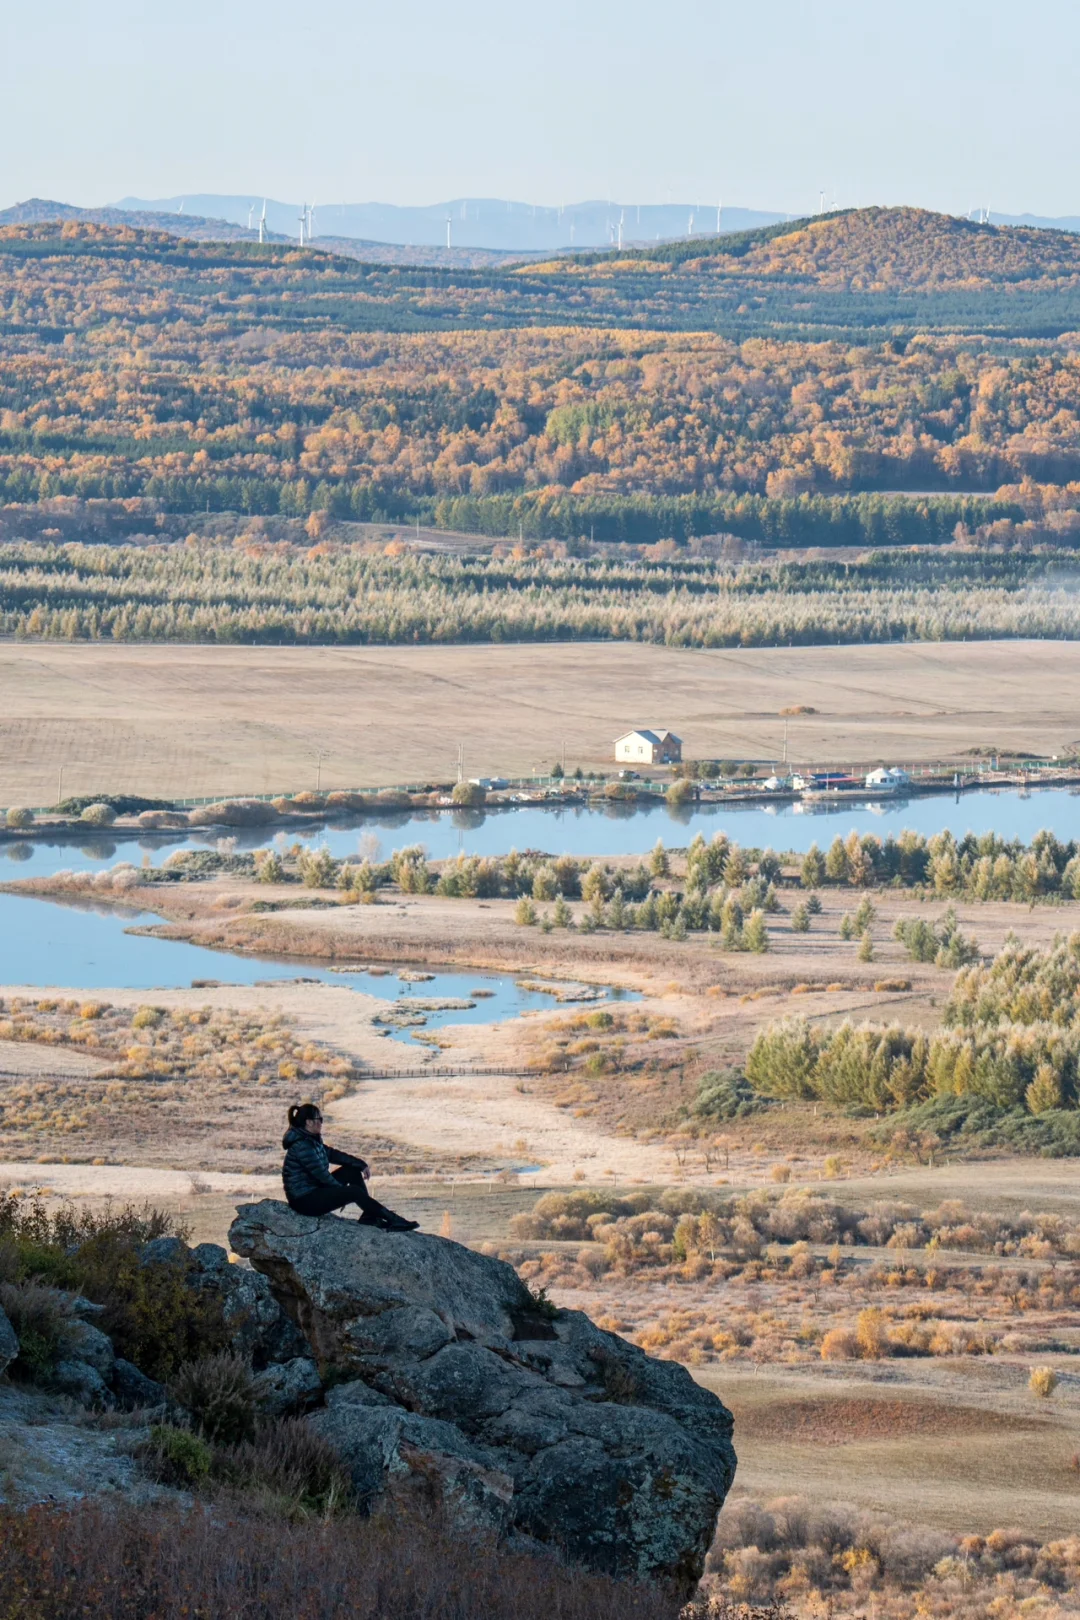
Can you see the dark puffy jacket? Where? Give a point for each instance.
(307, 1163)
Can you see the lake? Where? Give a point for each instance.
(615, 829)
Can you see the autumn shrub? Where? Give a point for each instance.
(290, 1463)
(176, 1456)
(233, 813)
(316, 868)
(17, 818)
(800, 920)
(41, 1317)
(154, 1311)
(838, 1548)
(219, 1394)
(1042, 1381)
(726, 1094)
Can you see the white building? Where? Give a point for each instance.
(890, 779)
(649, 748)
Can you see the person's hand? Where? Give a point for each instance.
(366, 1172)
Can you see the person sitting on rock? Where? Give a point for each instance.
(312, 1188)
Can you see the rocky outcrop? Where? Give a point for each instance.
(454, 1382)
(9, 1343)
(260, 1330)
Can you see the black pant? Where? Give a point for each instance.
(350, 1190)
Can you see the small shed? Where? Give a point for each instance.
(649, 747)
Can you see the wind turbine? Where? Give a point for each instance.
(719, 212)
(262, 223)
(303, 221)
(310, 221)
(449, 228)
(251, 211)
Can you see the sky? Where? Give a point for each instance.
(948, 104)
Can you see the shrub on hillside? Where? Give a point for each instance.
(726, 1095)
(219, 1393)
(17, 818)
(153, 1313)
(41, 1317)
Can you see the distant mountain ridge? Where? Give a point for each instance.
(199, 228)
(474, 222)
(43, 210)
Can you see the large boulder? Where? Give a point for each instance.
(517, 1417)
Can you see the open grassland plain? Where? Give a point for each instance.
(167, 720)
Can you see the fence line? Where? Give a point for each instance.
(110, 1073)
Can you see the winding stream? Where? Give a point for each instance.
(82, 946)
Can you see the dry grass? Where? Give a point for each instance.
(125, 1563)
(227, 720)
(191, 1063)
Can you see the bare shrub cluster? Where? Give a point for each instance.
(815, 1558)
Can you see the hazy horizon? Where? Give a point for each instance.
(487, 224)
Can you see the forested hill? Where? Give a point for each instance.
(864, 276)
(872, 250)
(234, 376)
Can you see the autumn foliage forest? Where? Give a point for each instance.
(633, 398)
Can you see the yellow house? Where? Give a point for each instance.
(649, 748)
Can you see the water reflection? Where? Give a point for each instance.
(98, 849)
(612, 827)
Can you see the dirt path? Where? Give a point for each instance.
(498, 1115)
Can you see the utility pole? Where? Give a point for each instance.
(461, 762)
(60, 787)
(320, 755)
